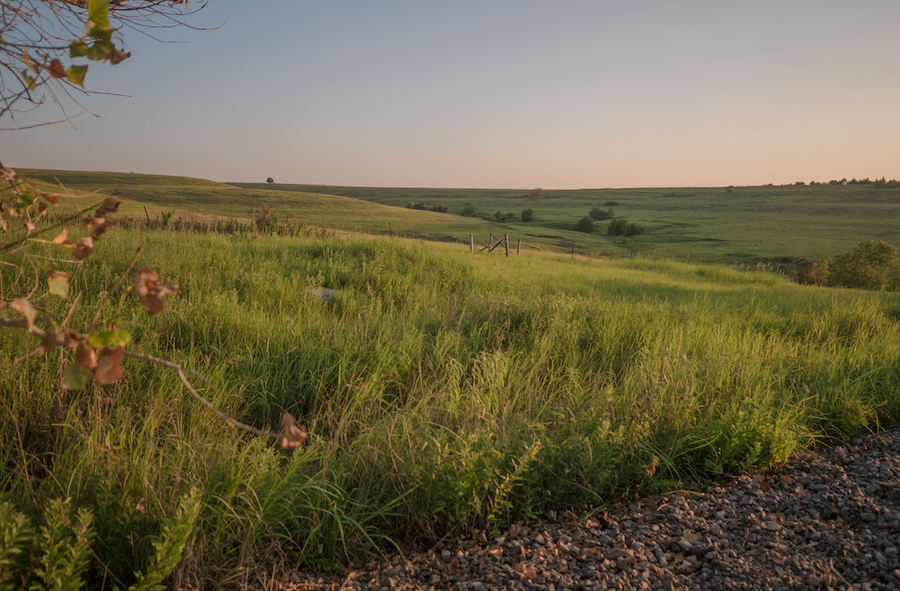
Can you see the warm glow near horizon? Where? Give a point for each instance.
(507, 94)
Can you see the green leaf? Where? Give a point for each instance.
(58, 283)
(75, 74)
(29, 80)
(77, 377)
(109, 338)
(96, 52)
(24, 200)
(98, 13)
(78, 49)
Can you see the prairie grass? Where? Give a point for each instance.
(442, 390)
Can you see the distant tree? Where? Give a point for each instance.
(440, 208)
(537, 192)
(470, 210)
(800, 184)
(869, 265)
(585, 224)
(527, 215)
(270, 180)
(621, 227)
(729, 188)
(511, 216)
(601, 214)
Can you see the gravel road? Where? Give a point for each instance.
(829, 519)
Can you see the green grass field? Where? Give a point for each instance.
(748, 225)
(442, 391)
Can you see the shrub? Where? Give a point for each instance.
(470, 210)
(440, 208)
(270, 180)
(601, 214)
(621, 227)
(527, 215)
(813, 273)
(870, 265)
(585, 224)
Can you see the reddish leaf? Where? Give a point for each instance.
(150, 291)
(72, 338)
(56, 69)
(111, 205)
(83, 249)
(108, 370)
(117, 56)
(292, 435)
(48, 343)
(98, 226)
(85, 356)
(52, 199)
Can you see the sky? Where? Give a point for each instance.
(494, 94)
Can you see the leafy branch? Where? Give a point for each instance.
(99, 353)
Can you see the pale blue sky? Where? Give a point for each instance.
(491, 93)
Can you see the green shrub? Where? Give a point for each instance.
(870, 265)
(527, 215)
(601, 214)
(585, 224)
(621, 227)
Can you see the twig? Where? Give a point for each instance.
(179, 370)
(48, 337)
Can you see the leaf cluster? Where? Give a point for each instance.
(44, 43)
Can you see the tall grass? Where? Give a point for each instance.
(441, 390)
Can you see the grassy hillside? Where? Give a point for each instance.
(744, 226)
(441, 390)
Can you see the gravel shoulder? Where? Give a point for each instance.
(830, 519)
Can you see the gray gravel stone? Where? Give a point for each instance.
(829, 519)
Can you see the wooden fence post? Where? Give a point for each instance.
(472, 243)
(506, 243)
(518, 247)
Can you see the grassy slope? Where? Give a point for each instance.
(746, 225)
(441, 389)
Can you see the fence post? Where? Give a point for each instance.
(518, 247)
(491, 242)
(147, 213)
(506, 243)
(472, 243)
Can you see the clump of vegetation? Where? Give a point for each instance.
(869, 265)
(813, 273)
(621, 227)
(600, 215)
(421, 205)
(585, 224)
(527, 215)
(470, 210)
